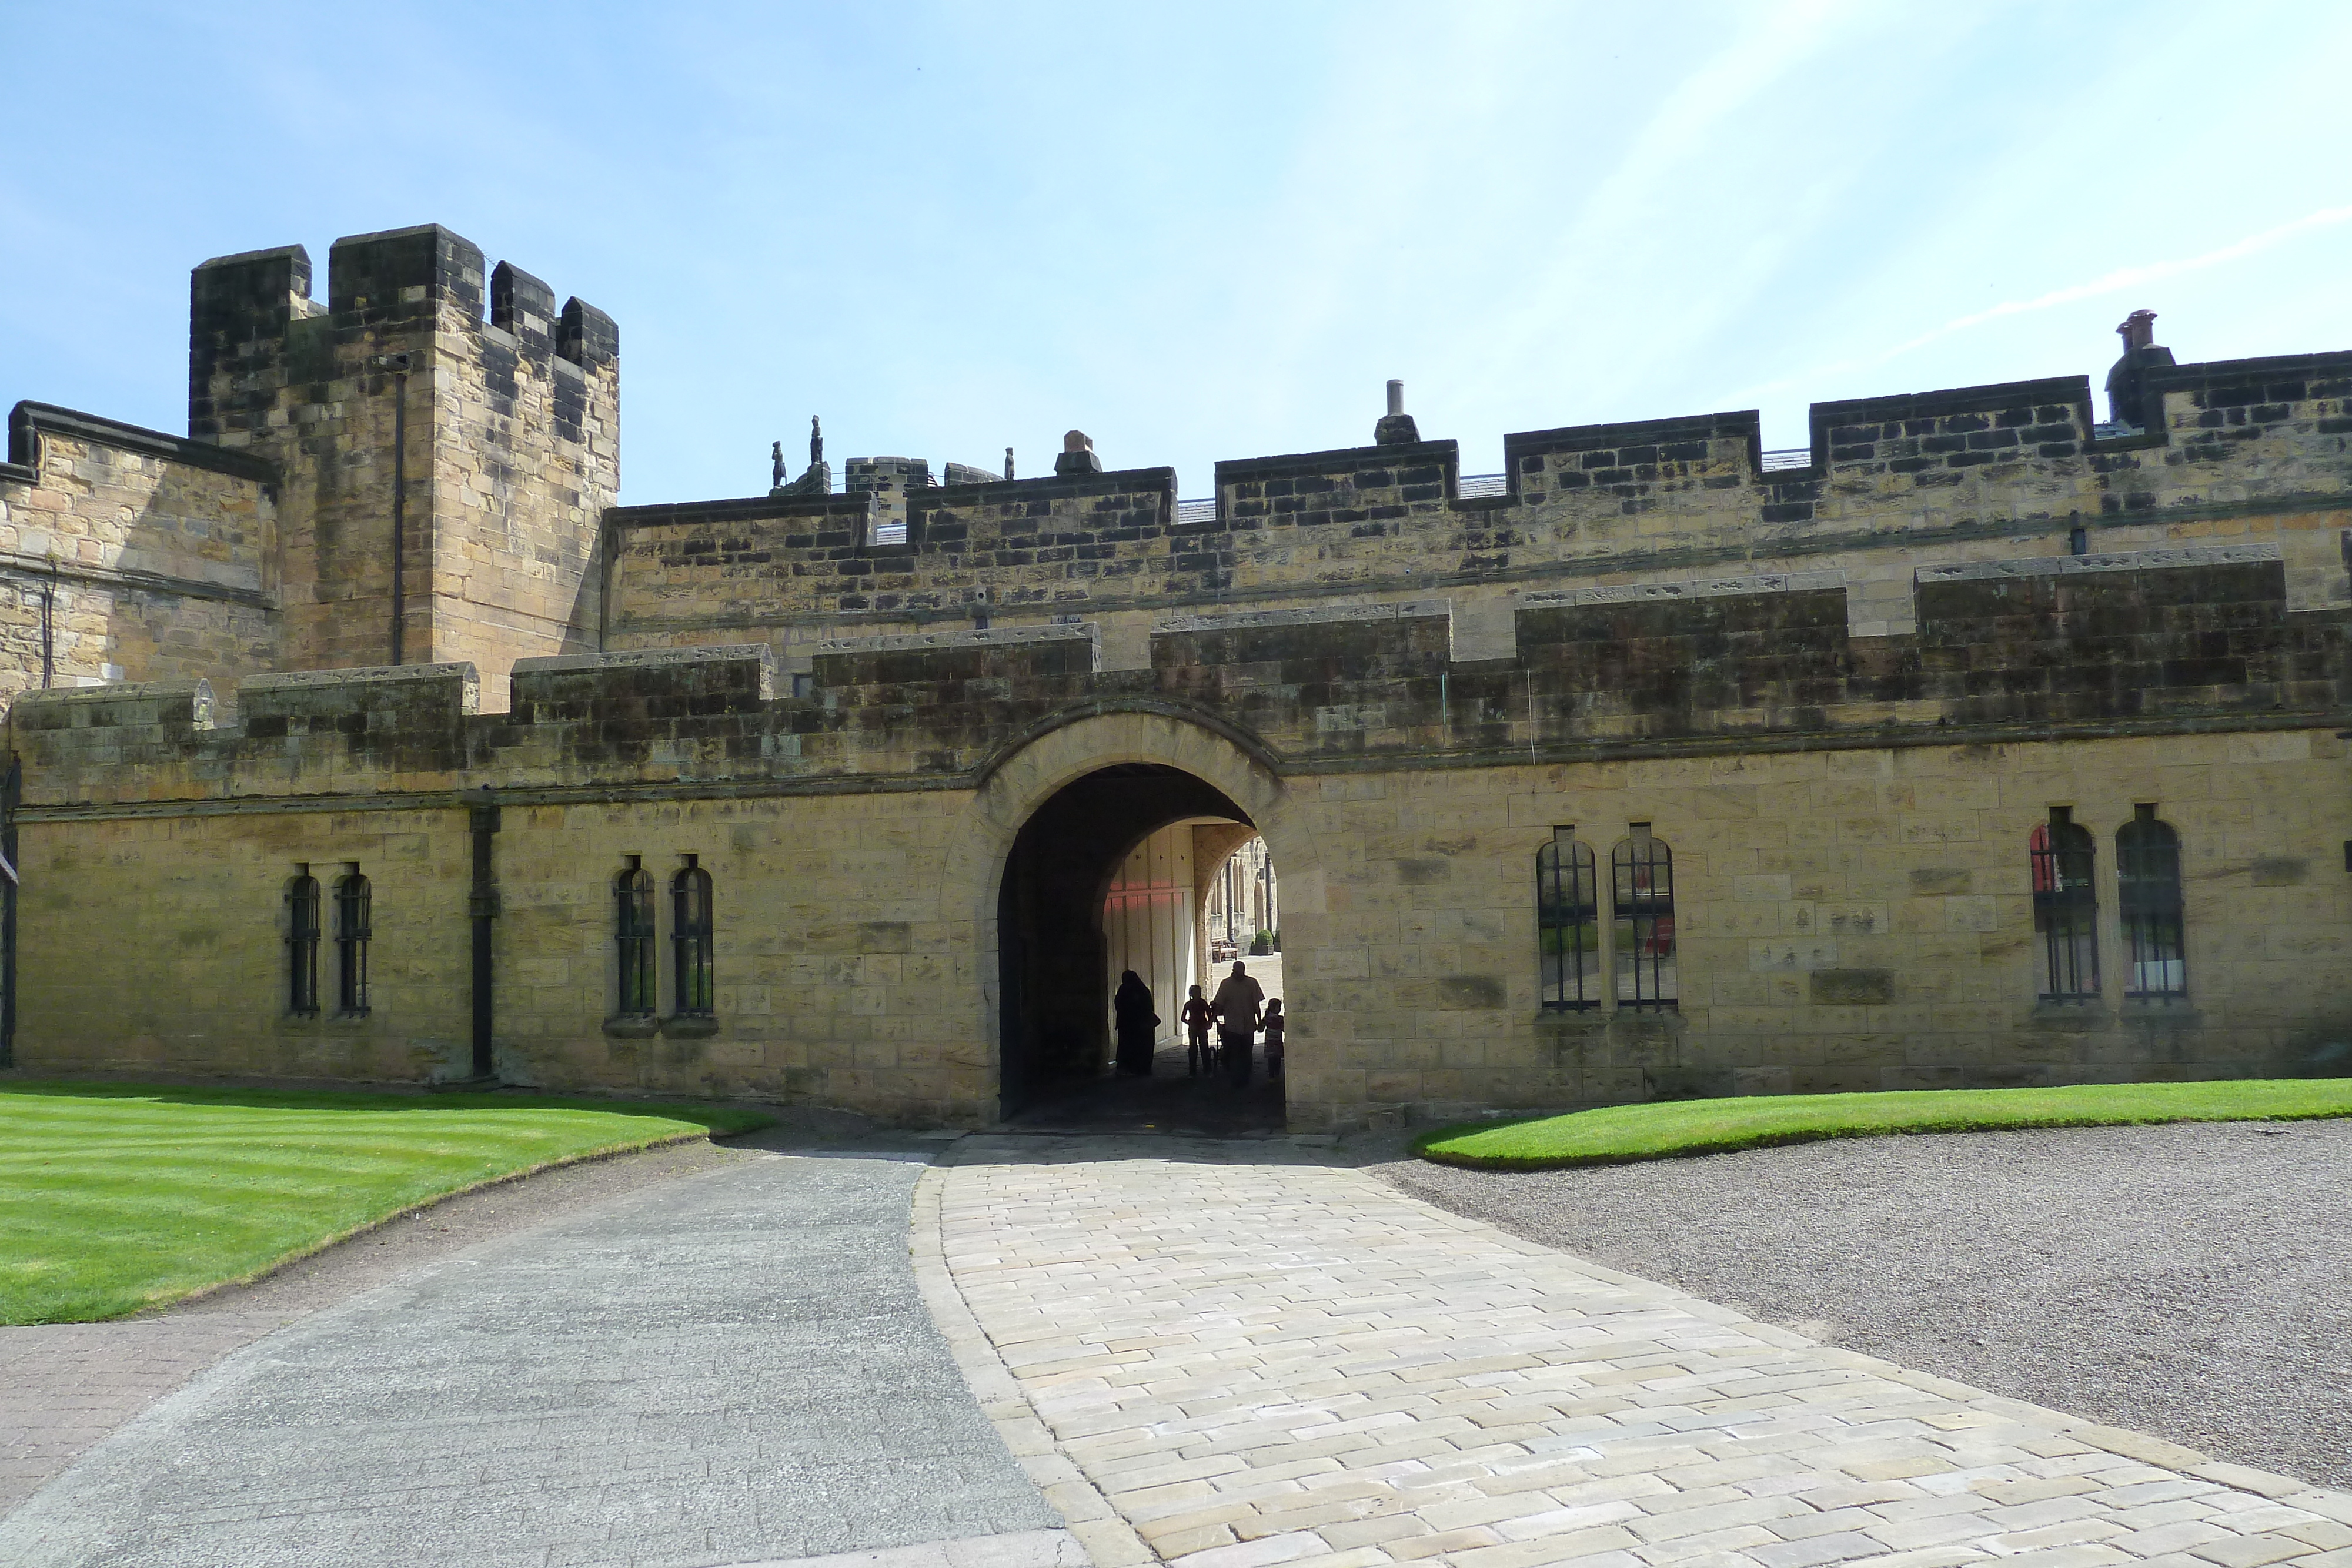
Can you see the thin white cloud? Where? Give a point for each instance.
(2130, 277)
(2113, 282)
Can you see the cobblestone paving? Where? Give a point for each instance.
(732, 1368)
(1252, 1359)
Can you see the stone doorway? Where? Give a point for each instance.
(1111, 873)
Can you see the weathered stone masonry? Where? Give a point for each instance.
(1846, 694)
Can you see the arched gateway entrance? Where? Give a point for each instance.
(1038, 853)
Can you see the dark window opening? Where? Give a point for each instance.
(1643, 902)
(2148, 886)
(633, 931)
(1568, 924)
(2065, 908)
(303, 931)
(352, 919)
(691, 940)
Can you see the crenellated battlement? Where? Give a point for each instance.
(2138, 642)
(512, 420)
(1974, 471)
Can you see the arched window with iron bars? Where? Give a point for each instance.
(691, 940)
(1642, 877)
(303, 923)
(354, 929)
(633, 934)
(1568, 924)
(2065, 908)
(2148, 886)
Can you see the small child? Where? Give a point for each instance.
(1272, 1027)
(1199, 1056)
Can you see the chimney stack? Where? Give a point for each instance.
(1396, 427)
(2127, 402)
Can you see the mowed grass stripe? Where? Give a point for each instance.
(1620, 1134)
(116, 1198)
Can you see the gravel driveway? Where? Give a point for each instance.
(2193, 1281)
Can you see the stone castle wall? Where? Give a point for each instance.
(1850, 819)
(134, 554)
(1844, 690)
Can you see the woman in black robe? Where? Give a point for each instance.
(1137, 1025)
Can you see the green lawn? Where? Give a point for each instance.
(115, 1197)
(1618, 1134)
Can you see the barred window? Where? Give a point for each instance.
(691, 940)
(302, 934)
(1643, 902)
(351, 932)
(633, 931)
(2147, 885)
(1568, 923)
(2065, 908)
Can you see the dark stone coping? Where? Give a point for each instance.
(995, 637)
(272, 253)
(997, 492)
(28, 419)
(102, 707)
(2073, 391)
(1318, 615)
(1339, 460)
(1046, 488)
(2237, 373)
(2157, 557)
(1746, 423)
(748, 508)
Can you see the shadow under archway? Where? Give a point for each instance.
(1054, 985)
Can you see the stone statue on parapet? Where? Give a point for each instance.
(817, 481)
(1077, 455)
(776, 465)
(1008, 462)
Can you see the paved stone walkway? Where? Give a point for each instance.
(64, 1386)
(729, 1368)
(1236, 1358)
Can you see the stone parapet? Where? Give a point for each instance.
(1936, 470)
(2162, 639)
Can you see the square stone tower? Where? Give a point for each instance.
(494, 444)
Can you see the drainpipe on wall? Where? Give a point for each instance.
(48, 625)
(483, 905)
(398, 364)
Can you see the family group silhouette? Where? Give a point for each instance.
(1237, 1015)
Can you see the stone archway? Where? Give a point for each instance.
(1023, 783)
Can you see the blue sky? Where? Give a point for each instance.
(1206, 231)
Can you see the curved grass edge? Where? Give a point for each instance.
(313, 1247)
(1427, 1145)
(719, 1120)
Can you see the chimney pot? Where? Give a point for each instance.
(1396, 397)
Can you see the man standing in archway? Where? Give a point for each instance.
(1238, 1002)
